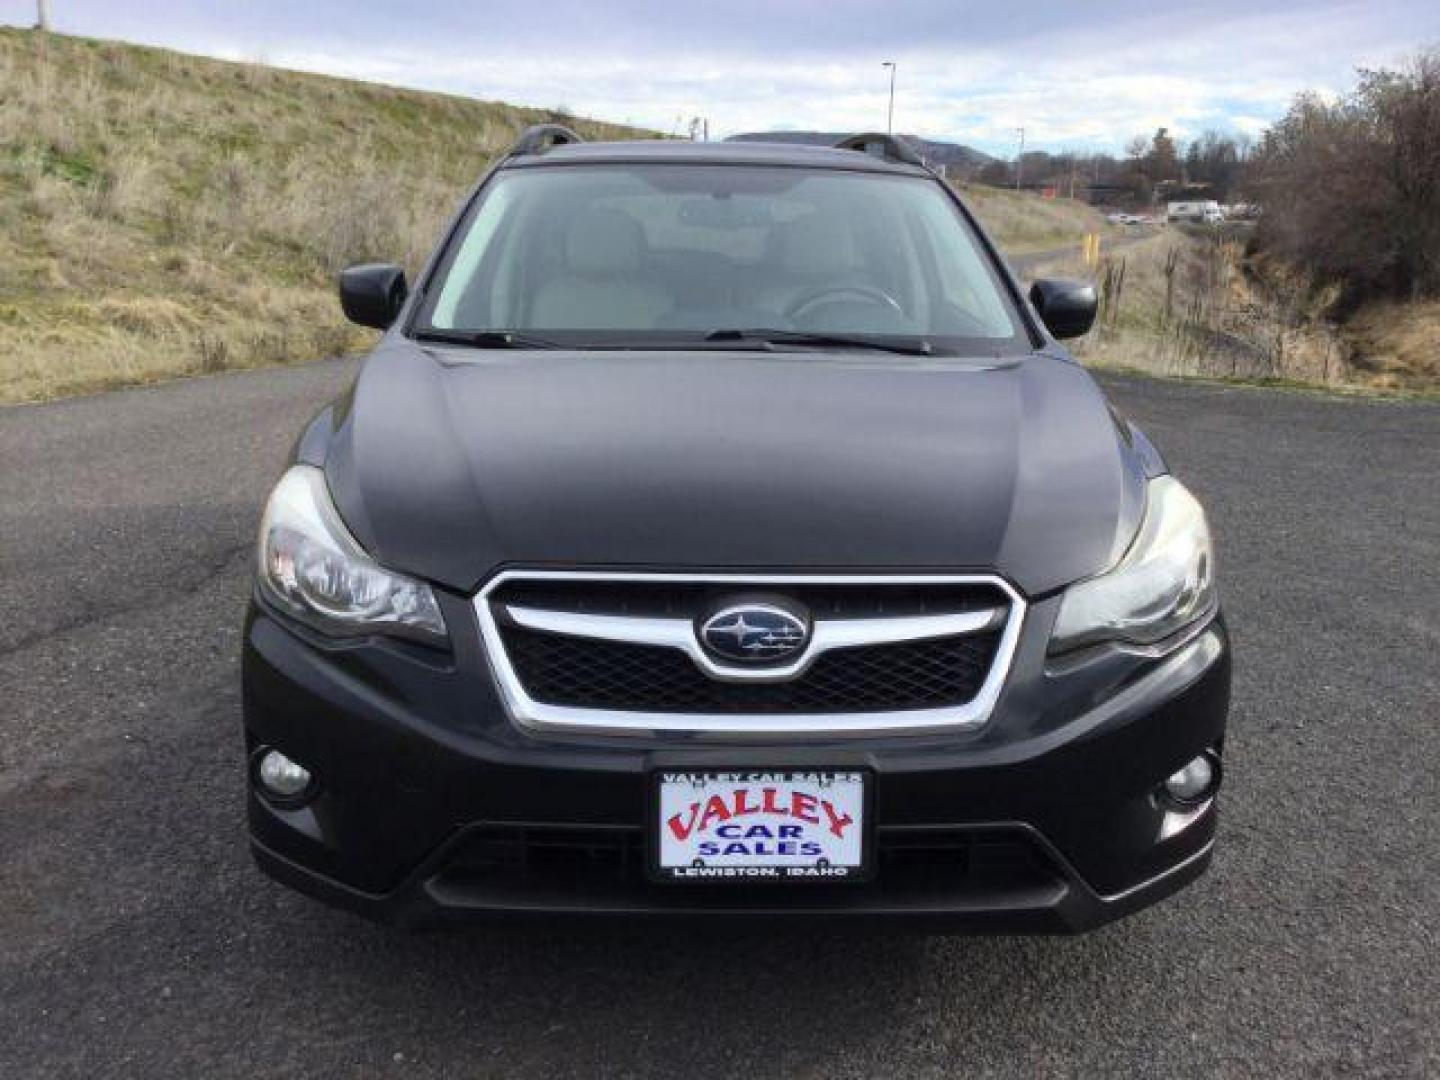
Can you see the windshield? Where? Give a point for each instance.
(612, 254)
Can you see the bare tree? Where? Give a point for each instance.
(1217, 161)
(1351, 189)
(1162, 162)
(1406, 110)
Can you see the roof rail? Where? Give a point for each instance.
(885, 147)
(541, 137)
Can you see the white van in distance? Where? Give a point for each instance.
(1206, 212)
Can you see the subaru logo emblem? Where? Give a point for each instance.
(754, 633)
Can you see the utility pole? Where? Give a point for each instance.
(890, 116)
(42, 14)
(1020, 158)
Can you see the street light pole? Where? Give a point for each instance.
(890, 116)
(1020, 160)
(42, 14)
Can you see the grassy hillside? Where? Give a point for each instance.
(1188, 302)
(1397, 345)
(165, 214)
(1021, 221)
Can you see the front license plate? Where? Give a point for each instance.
(758, 826)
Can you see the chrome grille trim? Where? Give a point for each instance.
(541, 718)
(826, 634)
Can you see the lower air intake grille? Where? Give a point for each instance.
(595, 866)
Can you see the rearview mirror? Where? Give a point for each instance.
(1066, 307)
(726, 213)
(373, 294)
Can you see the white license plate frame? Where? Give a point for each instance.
(769, 826)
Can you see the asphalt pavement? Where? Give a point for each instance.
(136, 938)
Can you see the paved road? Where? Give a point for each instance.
(136, 939)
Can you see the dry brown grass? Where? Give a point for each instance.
(1185, 305)
(164, 214)
(1021, 222)
(1395, 345)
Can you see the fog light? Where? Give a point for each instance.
(1193, 782)
(282, 777)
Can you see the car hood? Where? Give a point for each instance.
(449, 464)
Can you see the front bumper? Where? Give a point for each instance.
(432, 806)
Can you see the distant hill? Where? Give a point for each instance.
(934, 151)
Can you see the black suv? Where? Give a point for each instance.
(717, 530)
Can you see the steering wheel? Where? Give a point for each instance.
(810, 297)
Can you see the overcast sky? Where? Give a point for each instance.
(1074, 74)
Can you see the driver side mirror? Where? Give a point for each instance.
(1067, 308)
(373, 294)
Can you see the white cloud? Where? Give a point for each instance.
(1250, 126)
(1087, 88)
(1073, 74)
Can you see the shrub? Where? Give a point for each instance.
(1351, 188)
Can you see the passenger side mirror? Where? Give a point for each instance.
(1066, 307)
(373, 294)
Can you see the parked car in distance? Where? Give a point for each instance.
(718, 531)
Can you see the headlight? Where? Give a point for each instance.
(311, 567)
(1164, 582)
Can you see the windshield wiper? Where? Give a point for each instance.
(486, 339)
(918, 347)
